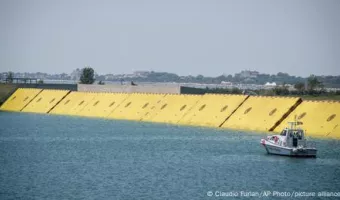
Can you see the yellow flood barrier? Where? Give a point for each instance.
(319, 118)
(212, 110)
(45, 101)
(259, 113)
(83, 100)
(135, 106)
(73, 103)
(66, 104)
(172, 108)
(103, 104)
(19, 99)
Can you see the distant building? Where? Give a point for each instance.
(3, 75)
(270, 84)
(226, 83)
(143, 74)
(248, 74)
(109, 77)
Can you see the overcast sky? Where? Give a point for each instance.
(187, 37)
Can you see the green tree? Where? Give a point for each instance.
(10, 76)
(299, 86)
(87, 76)
(281, 91)
(235, 90)
(313, 83)
(199, 77)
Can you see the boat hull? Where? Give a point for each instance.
(285, 151)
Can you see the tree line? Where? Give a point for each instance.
(311, 85)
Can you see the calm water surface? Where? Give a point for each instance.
(60, 157)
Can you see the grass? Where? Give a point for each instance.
(318, 97)
(322, 97)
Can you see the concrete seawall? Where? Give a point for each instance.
(254, 113)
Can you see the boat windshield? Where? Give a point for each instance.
(284, 133)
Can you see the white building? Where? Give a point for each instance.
(226, 83)
(141, 73)
(273, 84)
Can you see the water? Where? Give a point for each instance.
(60, 157)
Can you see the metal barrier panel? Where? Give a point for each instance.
(19, 99)
(260, 113)
(66, 104)
(212, 110)
(73, 103)
(135, 106)
(172, 108)
(319, 118)
(83, 100)
(103, 104)
(45, 101)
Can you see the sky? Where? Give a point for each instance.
(186, 37)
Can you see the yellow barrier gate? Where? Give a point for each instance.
(45, 101)
(66, 104)
(73, 103)
(103, 104)
(135, 106)
(212, 110)
(258, 113)
(19, 99)
(83, 100)
(261, 113)
(320, 119)
(172, 108)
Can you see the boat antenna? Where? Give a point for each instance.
(295, 121)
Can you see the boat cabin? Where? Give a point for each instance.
(293, 137)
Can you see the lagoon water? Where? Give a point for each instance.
(62, 157)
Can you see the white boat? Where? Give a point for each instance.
(290, 142)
